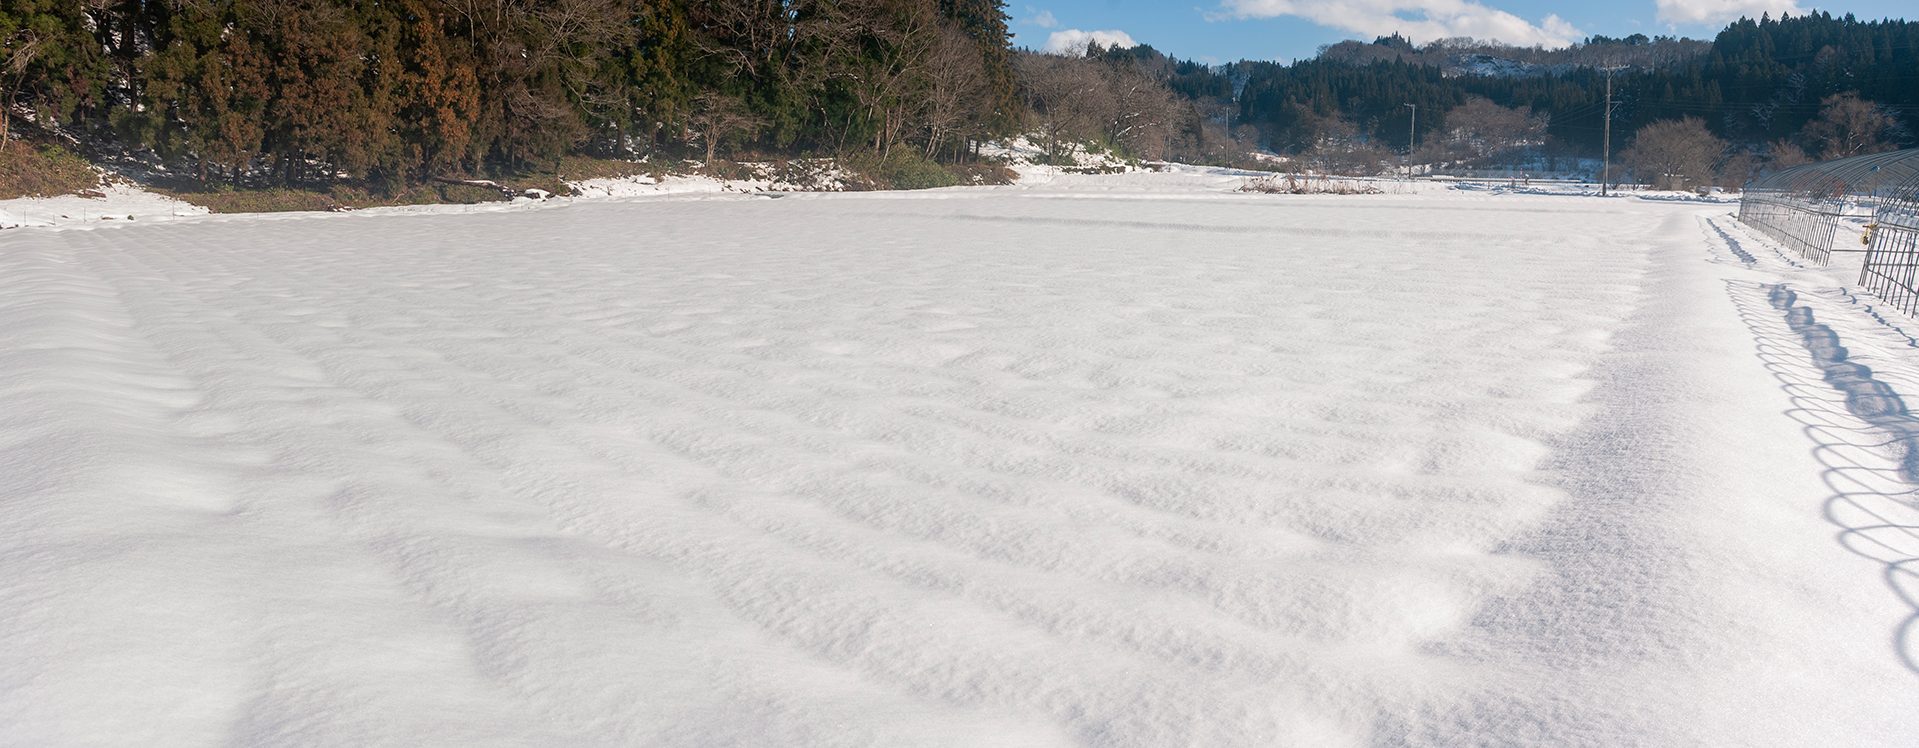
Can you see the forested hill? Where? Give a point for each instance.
(394, 92)
(399, 90)
(1758, 82)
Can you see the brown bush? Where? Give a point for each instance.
(26, 171)
(1296, 184)
(285, 199)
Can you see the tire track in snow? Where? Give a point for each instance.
(1202, 228)
(109, 513)
(1726, 240)
(1736, 237)
(270, 400)
(1606, 552)
(1688, 604)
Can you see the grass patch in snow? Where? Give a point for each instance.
(912, 171)
(45, 171)
(901, 171)
(984, 173)
(349, 196)
(336, 198)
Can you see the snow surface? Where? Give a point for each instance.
(1122, 461)
(113, 202)
(804, 176)
(119, 202)
(1024, 155)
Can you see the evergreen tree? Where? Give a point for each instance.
(986, 23)
(390, 92)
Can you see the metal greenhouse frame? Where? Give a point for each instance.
(1892, 255)
(1803, 206)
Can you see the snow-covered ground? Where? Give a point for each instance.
(1118, 460)
(113, 202)
(800, 176)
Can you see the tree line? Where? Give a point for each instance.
(1769, 90)
(392, 92)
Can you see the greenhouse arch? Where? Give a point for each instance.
(1805, 206)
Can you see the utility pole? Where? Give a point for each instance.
(1412, 131)
(1605, 163)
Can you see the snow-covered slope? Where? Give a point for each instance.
(1026, 157)
(1494, 66)
(821, 175)
(113, 202)
(1127, 461)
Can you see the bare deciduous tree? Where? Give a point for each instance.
(745, 35)
(1675, 154)
(955, 81)
(1084, 98)
(1785, 154)
(1850, 126)
(1738, 168)
(1484, 132)
(1339, 147)
(1141, 111)
(717, 116)
(1068, 98)
(1354, 157)
(18, 50)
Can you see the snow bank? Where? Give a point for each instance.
(816, 175)
(1024, 154)
(121, 202)
(117, 201)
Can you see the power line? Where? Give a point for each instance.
(1412, 136)
(1605, 163)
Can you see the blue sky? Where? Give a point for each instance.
(1226, 30)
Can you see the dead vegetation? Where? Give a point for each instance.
(335, 199)
(1309, 184)
(43, 171)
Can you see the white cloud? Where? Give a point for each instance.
(1073, 41)
(1716, 12)
(1042, 18)
(1421, 20)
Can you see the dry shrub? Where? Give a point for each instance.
(914, 171)
(575, 168)
(984, 173)
(337, 198)
(1298, 184)
(26, 171)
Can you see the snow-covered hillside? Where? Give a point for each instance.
(1121, 460)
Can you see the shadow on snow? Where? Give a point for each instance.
(1865, 441)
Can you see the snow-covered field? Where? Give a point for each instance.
(1117, 461)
